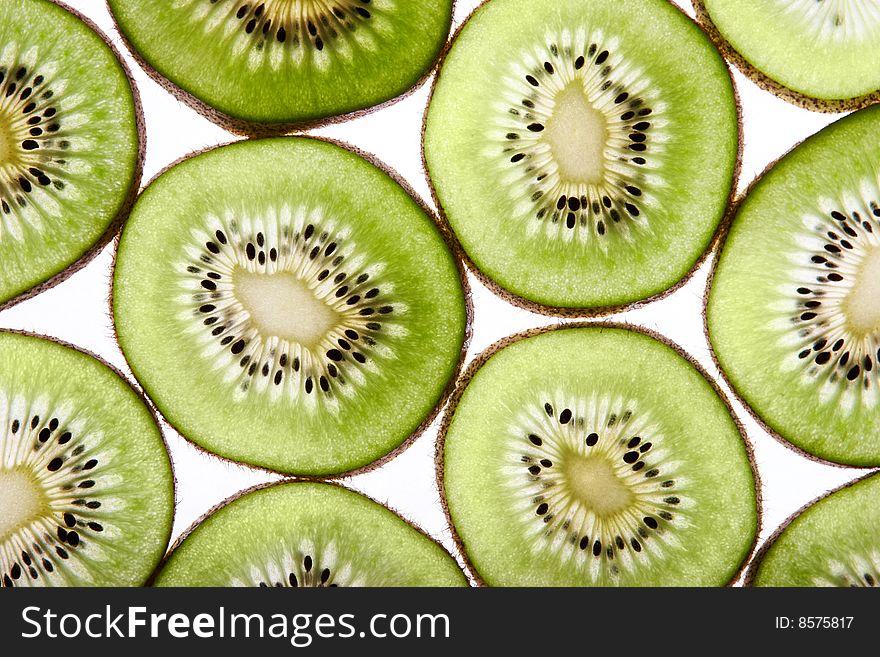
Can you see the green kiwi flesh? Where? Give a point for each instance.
(596, 456)
(583, 160)
(69, 144)
(821, 55)
(835, 541)
(793, 312)
(305, 534)
(286, 303)
(86, 489)
(259, 66)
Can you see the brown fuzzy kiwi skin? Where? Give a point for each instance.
(245, 128)
(490, 351)
(140, 395)
(445, 233)
(737, 395)
(597, 311)
(128, 202)
(284, 482)
(752, 571)
(824, 105)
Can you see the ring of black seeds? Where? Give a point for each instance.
(57, 449)
(829, 258)
(563, 209)
(305, 567)
(860, 571)
(31, 124)
(316, 24)
(543, 441)
(323, 257)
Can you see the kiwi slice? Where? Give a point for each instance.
(818, 54)
(287, 303)
(793, 312)
(86, 490)
(833, 541)
(595, 455)
(70, 145)
(270, 66)
(306, 534)
(583, 152)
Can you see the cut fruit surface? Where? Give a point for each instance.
(258, 65)
(86, 490)
(821, 55)
(288, 304)
(794, 308)
(307, 535)
(582, 161)
(596, 456)
(835, 541)
(69, 144)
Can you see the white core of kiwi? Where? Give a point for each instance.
(283, 305)
(21, 500)
(8, 148)
(862, 306)
(577, 134)
(594, 482)
(836, 20)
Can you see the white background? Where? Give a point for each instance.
(78, 310)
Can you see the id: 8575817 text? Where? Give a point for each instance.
(814, 622)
